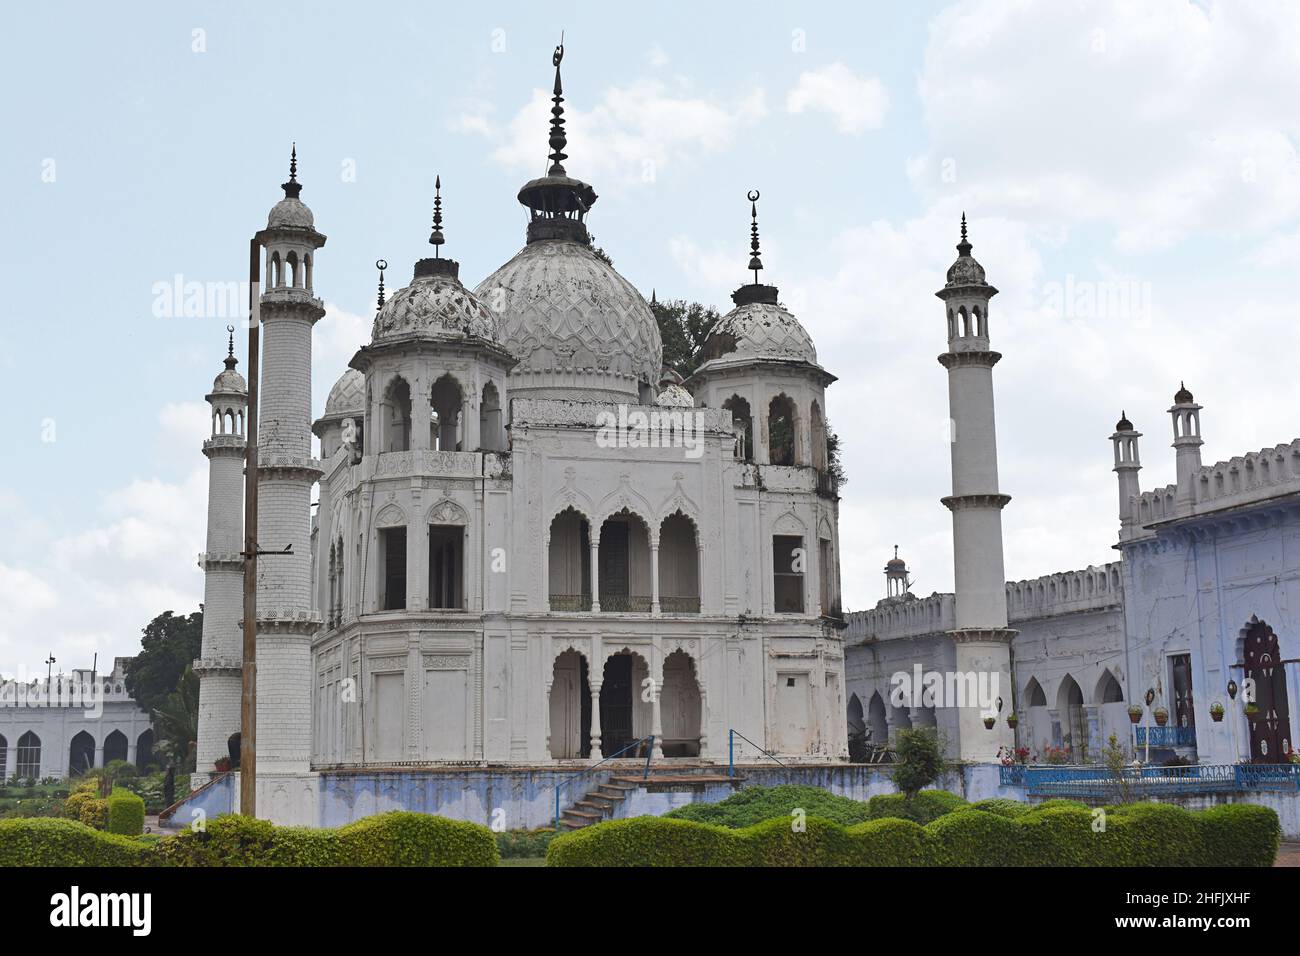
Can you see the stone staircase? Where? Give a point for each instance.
(599, 804)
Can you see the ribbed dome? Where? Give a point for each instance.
(229, 381)
(575, 324)
(758, 330)
(348, 396)
(675, 396)
(290, 212)
(435, 305)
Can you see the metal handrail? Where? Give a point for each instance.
(645, 774)
(732, 734)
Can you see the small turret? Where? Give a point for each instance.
(1127, 466)
(1186, 416)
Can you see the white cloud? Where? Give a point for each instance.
(632, 134)
(1158, 119)
(857, 103)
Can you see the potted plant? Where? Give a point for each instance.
(1161, 715)
(1135, 713)
(1216, 712)
(1012, 720)
(989, 722)
(222, 764)
(1252, 708)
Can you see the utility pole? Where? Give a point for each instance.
(248, 695)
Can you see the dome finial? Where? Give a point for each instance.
(381, 265)
(964, 247)
(557, 140)
(755, 263)
(230, 359)
(1183, 396)
(292, 188)
(436, 238)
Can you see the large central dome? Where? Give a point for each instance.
(579, 329)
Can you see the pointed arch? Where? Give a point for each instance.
(570, 706)
(569, 561)
(742, 420)
(679, 564)
(115, 747)
(782, 431)
(681, 706)
(1034, 696)
(1108, 689)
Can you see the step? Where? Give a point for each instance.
(620, 794)
(582, 814)
(592, 805)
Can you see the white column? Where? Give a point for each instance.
(595, 571)
(654, 581)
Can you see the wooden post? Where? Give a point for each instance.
(248, 696)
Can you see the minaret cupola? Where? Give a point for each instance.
(966, 294)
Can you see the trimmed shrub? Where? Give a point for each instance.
(1001, 806)
(75, 801)
(401, 838)
(752, 805)
(522, 844)
(125, 813)
(47, 841)
(818, 843)
(649, 841)
(926, 806)
(94, 813)
(974, 839)
(1239, 834)
(1057, 802)
(1060, 836)
(1150, 834)
(230, 840)
(888, 842)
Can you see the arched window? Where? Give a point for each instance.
(291, 264)
(115, 747)
(781, 437)
(1108, 689)
(491, 434)
(818, 437)
(446, 400)
(397, 415)
(568, 574)
(29, 756)
(623, 574)
(743, 425)
(1034, 696)
(679, 566)
(144, 750)
(81, 754)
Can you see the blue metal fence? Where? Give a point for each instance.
(1166, 736)
(1070, 781)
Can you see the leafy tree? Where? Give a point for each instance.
(170, 643)
(918, 760)
(683, 327)
(176, 721)
(834, 464)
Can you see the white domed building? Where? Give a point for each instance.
(534, 549)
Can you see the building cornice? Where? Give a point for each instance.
(973, 502)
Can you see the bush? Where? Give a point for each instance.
(755, 804)
(401, 838)
(649, 841)
(926, 806)
(1060, 836)
(125, 813)
(1150, 834)
(52, 842)
(918, 759)
(523, 844)
(230, 840)
(888, 842)
(974, 839)
(1239, 834)
(94, 813)
(817, 843)
(1001, 806)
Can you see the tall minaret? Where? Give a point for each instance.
(1186, 416)
(981, 635)
(223, 568)
(1127, 466)
(286, 619)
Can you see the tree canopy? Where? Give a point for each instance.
(683, 327)
(169, 645)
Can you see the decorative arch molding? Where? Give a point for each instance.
(1105, 681)
(678, 501)
(390, 516)
(447, 511)
(1034, 695)
(568, 496)
(561, 646)
(691, 650)
(626, 498)
(789, 523)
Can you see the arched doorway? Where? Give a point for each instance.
(232, 748)
(1270, 726)
(857, 720)
(623, 714)
(144, 750)
(568, 569)
(115, 747)
(81, 754)
(877, 721)
(1074, 725)
(679, 565)
(623, 575)
(679, 706)
(570, 707)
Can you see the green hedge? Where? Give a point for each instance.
(125, 813)
(1059, 833)
(416, 839)
(926, 806)
(46, 841)
(752, 805)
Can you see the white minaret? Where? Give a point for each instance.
(981, 635)
(223, 569)
(1127, 466)
(1186, 415)
(286, 619)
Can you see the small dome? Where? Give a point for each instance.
(348, 396)
(230, 381)
(965, 271)
(1123, 425)
(675, 396)
(436, 305)
(1182, 396)
(565, 312)
(761, 329)
(290, 212)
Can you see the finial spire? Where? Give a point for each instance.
(436, 237)
(755, 263)
(230, 359)
(964, 247)
(381, 265)
(557, 140)
(292, 188)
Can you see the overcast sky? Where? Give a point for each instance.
(1129, 170)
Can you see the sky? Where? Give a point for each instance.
(1129, 171)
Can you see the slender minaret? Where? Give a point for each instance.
(1127, 466)
(286, 619)
(218, 667)
(981, 635)
(1186, 416)
(897, 581)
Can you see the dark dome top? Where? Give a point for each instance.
(1182, 396)
(1123, 425)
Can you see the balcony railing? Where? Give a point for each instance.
(1101, 783)
(679, 605)
(570, 602)
(625, 603)
(1167, 736)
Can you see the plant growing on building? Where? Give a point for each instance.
(918, 760)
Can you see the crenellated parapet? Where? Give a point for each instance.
(1065, 592)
